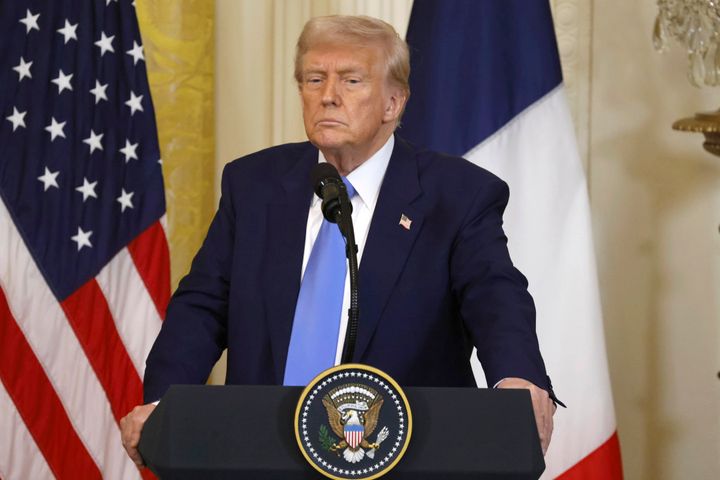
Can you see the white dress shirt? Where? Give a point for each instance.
(366, 180)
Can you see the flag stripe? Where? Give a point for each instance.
(513, 120)
(504, 55)
(23, 459)
(88, 313)
(603, 463)
(151, 256)
(38, 404)
(131, 307)
(56, 348)
(551, 242)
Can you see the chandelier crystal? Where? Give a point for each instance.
(695, 24)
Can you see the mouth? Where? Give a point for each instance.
(328, 122)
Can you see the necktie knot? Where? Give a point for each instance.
(350, 189)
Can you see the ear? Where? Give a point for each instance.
(394, 105)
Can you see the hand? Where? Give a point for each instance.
(543, 407)
(131, 427)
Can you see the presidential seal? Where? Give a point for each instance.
(353, 422)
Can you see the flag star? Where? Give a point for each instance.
(125, 200)
(30, 21)
(69, 31)
(82, 239)
(94, 141)
(56, 129)
(17, 119)
(129, 150)
(23, 69)
(134, 103)
(99, 91)
(49, 179)
(87, 189)
(105, 43)
(62, 81)
(136, 52)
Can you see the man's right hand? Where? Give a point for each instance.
(131, 427)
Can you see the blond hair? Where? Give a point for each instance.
(358, 30)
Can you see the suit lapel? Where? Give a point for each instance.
(287, 220)
(389, 243)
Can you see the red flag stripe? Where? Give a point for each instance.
(136, 318)
(149, 251)
(604, 463)
(38, 404)
(23, 459)
(56, 347)
(88, 313)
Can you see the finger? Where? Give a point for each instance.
(132, 450)
(135, 456)
(539, 413)
(549, 410)
(549, 429)
(130, 434)
(541, 407)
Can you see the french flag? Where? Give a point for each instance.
(486, 84)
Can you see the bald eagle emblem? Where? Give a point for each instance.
(353, 410)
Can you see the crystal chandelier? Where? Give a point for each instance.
(696, 25)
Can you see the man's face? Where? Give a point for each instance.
(348, 105)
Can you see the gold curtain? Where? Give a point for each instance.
(179, 45)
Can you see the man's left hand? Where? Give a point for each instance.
(543, 407)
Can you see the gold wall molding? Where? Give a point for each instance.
(573, 29)
(178, 40)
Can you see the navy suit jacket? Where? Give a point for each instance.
(428, 294)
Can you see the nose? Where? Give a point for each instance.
(330, 94)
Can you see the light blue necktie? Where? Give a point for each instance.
(313, 342)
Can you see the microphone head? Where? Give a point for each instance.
(322, 174)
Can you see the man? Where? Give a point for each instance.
(435, 275)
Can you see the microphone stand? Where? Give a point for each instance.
(344, 221)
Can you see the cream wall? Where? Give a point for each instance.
(656, 207)
(655, 198)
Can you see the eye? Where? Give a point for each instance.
(313, 80)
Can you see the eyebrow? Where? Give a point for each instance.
(341, 72)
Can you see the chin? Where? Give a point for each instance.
(327, 141)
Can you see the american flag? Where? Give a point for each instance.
(84, 265)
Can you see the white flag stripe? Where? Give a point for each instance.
(136, 318)
(60, 354)
(548, 225)
(23, 459)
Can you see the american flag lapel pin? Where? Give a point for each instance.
(405, 222)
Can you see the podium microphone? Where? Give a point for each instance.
(336, 208)
(330, 188)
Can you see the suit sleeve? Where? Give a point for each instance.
(193, 334)
(495, 305)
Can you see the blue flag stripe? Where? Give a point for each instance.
(476, 64)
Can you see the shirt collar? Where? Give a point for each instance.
(368, 177)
